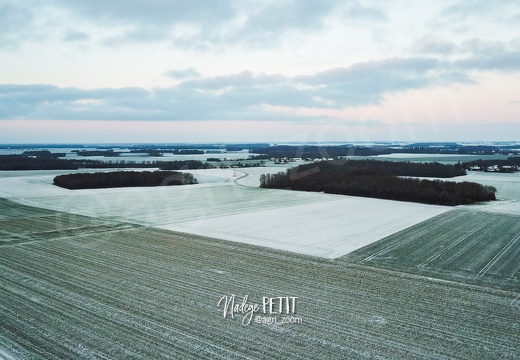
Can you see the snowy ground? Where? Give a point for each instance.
(508, 191)
(230, 206)
(442, 158)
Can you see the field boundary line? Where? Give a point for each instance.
(410, 238)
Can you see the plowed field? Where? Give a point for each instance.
(78, 287)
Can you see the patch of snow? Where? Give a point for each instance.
(316, 224)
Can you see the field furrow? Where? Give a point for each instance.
(149, 293)
(98, 284)
(474, 247)
(454, 243)
(498, 256)
(411, 234)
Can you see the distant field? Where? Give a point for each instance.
(19, 224)
(309, 223)
(113, 285)
(442, 158)
(475, 247)
(78, 287)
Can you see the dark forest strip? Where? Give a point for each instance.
(123, 179)
(381, 180)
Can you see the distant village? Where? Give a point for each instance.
(494, 168)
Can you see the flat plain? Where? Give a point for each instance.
(119, 290)
(309, 223)
(92, 275)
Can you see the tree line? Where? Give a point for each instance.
(315, 151)
(378, 167)
(183, 165)
(43, 153)
(23, 162)
(19, 162)
(123, 179)
(106, 153)
(162, 165)
(351, 179)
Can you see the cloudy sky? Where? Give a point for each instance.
(259, 70)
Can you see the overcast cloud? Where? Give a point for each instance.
(250, 60)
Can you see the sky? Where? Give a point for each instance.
(173, 71)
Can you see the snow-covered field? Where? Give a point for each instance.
(409, 156)
(442, 158)
(508, 191)
(228, 205)
(507, 194)
(77, 287)
(108, 290)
